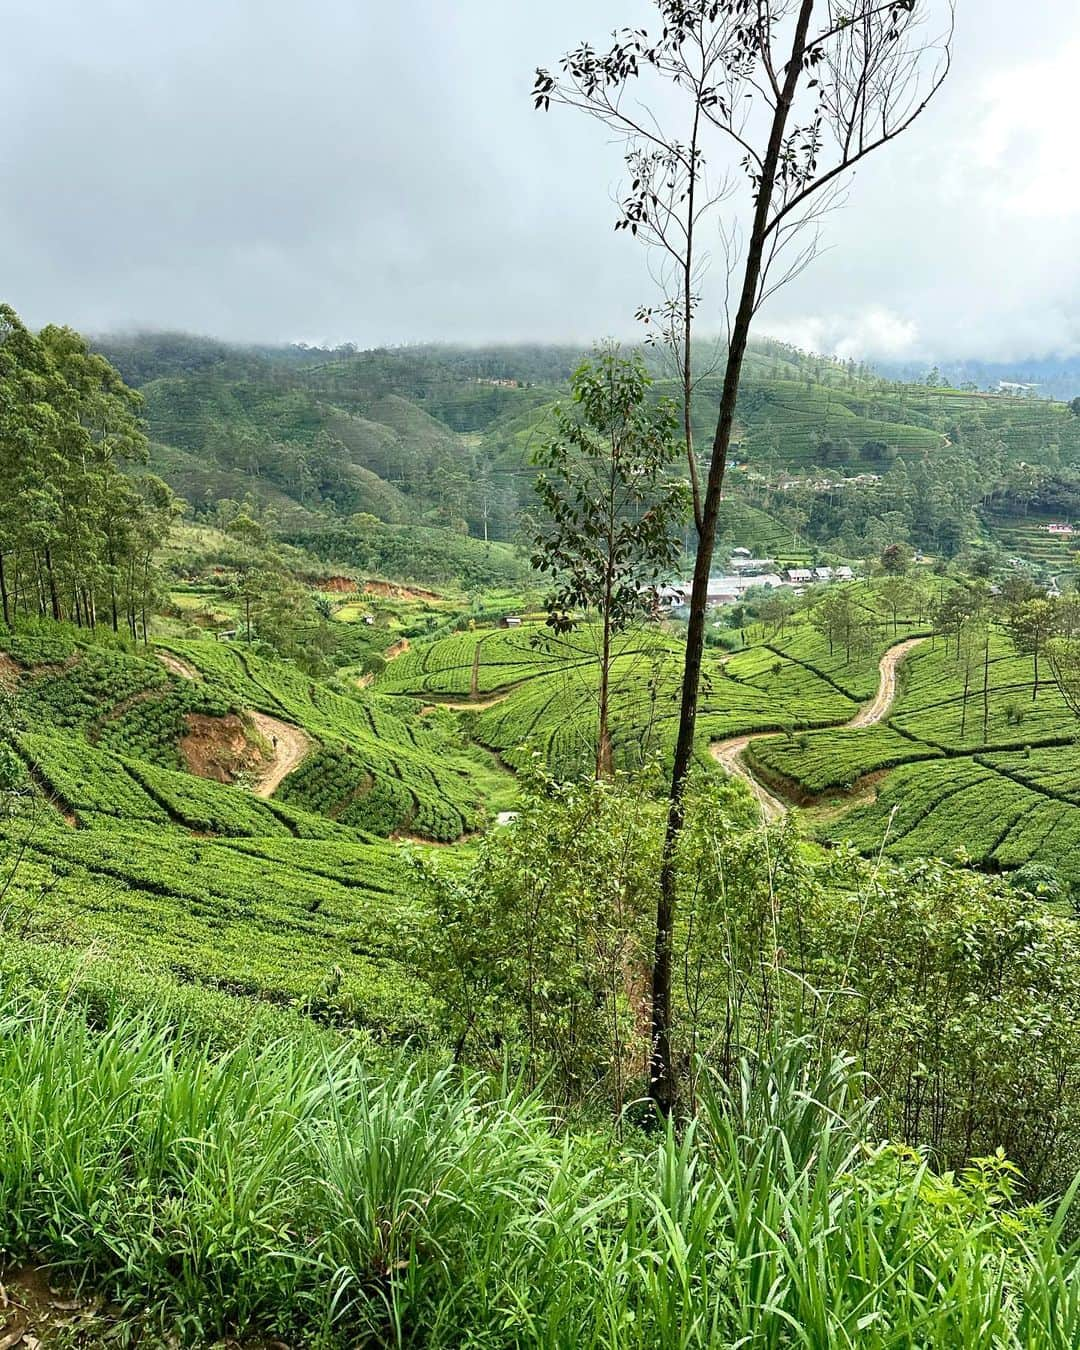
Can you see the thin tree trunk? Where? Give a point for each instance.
(663, 1086)
(39, 582)
(603, 741)
(963, 705)
(603, 738)
(986, 686)
(112, 587)
(145, 598)
(132, 621)
(688, 314)
(4, 594)
(54, 597)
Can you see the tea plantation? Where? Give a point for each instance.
(124, 850)
(993, 772)
(115, 850)
(533, 692)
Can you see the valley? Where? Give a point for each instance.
(539, 677)
(299, 768)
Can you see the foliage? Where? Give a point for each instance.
(835, 758)
(428, 555)
(327, 940)
(77, 535)
(1063, 655)
(273, 1190)
(608, 532)
(536, 951)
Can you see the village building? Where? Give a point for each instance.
(744, 563)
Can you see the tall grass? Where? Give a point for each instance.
(284, 1187)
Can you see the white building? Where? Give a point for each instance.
(748, 564)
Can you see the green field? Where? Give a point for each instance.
(994, 776)
(123, 852)
(533, 692)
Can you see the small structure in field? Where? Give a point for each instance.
(744, 563)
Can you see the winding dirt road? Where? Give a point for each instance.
(289, 748)
(176, 665)
(288, 745)
(878, 707)
(728, 754)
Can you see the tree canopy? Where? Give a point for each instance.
(77, 533)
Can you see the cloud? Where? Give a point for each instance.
(872, 333)
(261, 169)
(1024, 146)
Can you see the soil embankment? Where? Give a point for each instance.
(217, 747)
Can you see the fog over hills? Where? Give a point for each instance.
(1046, 376)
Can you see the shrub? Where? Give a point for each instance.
(528, 952)
(1015, 712)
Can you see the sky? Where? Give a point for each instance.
(352, 170)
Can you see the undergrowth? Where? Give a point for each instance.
(284, 1187)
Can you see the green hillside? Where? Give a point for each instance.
(525, 690)
(443, 437)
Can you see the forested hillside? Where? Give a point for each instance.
(833, 454)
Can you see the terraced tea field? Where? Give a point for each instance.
(531, 692)
(326, 936)
(139, 857)
(994, 774)
(788, 418)
(372, 763)
(1028, 537)
(124, 853)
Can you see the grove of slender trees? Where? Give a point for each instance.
(78, 533)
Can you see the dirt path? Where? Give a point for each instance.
(878, 708)
(474, 704)
(288, 745)
(729, 754)
(177, 665)
(289, 748)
